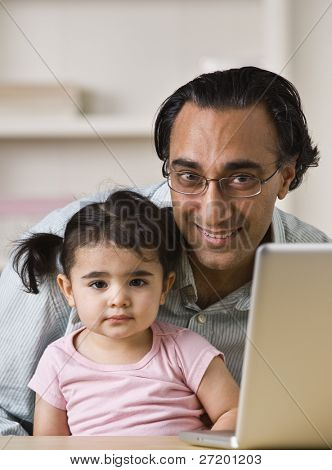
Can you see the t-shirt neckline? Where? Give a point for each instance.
(77, 356)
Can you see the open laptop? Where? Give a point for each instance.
(286, 389)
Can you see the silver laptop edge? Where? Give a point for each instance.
(286, 389)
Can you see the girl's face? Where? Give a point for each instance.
(116, 293)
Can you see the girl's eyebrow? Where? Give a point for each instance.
(94, 274)
(140, 272)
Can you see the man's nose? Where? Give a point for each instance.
(216, 206)
(118, 298)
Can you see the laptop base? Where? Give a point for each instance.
(218, 439)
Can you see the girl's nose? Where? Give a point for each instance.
(118, 298)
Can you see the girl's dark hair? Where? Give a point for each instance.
(126, 219)
(241, 88)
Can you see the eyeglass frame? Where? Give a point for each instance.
(167, 174)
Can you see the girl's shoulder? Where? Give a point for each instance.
(183, 337)
(169, 330)
(188, 353)
(62, 347)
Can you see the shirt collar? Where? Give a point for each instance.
(277, 236)
(185, 283)
(184, 273)
(185, 277)
(278, 229)
(244, 301)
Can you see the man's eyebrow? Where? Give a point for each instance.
(243, 164)
(233, 165)
(94, 274)
(186, 163)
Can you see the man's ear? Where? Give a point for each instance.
(288, 173)
(66, 288)
(167, 285)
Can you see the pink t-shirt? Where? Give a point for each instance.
(155, 396)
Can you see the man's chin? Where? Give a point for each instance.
(217, 261)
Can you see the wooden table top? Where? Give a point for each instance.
(93, 443)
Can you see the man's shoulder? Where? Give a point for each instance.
(158, 193)
(296, 230)
(56, 221)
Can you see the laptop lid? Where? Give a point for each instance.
(286, 389)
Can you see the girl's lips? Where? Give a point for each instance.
(119, 318)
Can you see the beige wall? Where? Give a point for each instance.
(129, 56)
(312, 74)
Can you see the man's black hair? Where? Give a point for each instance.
(242, 88)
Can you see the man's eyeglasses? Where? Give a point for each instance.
(237, 186)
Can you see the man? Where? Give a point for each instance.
(232, 142)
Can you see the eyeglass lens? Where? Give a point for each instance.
(235, 186)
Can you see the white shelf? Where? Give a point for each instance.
(59, 127)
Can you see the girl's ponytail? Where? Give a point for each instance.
(35, 258)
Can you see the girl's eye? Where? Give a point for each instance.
(98, 285)
(137, 283)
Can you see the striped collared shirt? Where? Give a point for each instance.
(30, 322)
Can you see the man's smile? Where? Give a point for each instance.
(218, 237)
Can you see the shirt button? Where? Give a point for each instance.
(201, 318)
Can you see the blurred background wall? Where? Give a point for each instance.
(116, 61)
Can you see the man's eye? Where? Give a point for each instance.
(98, 285)
(137, 283)
(189, 177)
(242, 179)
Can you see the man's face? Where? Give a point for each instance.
(224, 232)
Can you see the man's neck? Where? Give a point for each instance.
(213, 285)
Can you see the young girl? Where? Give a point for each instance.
(123, 373)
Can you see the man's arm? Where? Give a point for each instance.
(28, 323)
(9, 425)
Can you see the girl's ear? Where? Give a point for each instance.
(167, 286)
(66, 288)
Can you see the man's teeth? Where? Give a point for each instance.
(224, 235)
